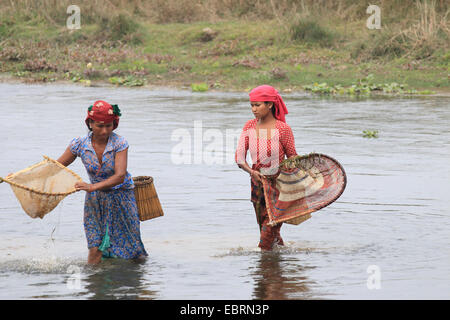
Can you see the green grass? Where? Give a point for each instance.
(243, 54)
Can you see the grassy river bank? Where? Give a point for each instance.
(293, 45)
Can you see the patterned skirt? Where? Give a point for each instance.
(111, 223)
(269, 235)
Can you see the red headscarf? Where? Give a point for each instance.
(103, 112)
(268, 93)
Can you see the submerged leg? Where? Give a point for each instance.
(94, 256)
(269, 235)
(257, 207)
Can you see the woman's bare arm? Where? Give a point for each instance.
(67, 158)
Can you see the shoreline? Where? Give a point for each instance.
(102, 83)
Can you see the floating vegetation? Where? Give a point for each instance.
(370, 134)
(199, 87)
(73, 76)
(87, 82)
(364, 86)
(21, 74)
(129, 81)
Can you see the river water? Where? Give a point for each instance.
(386, 237)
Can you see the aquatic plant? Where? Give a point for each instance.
(73, 76)
(21, 73)
(363, 86)
(370, 133)
(129, 81)
(199, 87)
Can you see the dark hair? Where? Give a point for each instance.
(90, 121)
(88, 124)
(273, 107)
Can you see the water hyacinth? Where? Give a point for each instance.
(370, 133)
(129, 81)
(199, 87)
(363, 86)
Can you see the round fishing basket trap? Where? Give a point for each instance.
(147, 199)
(305, 184)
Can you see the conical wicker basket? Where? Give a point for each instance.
(147, 199)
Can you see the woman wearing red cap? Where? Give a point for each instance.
(111, 220)
(269, 140)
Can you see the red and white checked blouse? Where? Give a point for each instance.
(265, 152)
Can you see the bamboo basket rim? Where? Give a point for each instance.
(46, 159)
(142, 180)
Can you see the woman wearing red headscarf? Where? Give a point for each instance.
(111, 219)
(269, 140)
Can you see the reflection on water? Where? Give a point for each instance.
(118, 279)
(278, 277)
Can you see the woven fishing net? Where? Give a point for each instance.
(40, 187)
(304, 184)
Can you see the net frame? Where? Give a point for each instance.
(56, 197)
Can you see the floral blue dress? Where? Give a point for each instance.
(111, 219)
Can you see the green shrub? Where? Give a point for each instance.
(122, 27)
(311, 31)
(386, 44)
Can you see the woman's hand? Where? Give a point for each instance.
(257, 176)
(84, 186)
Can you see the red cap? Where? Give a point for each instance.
(103, 112)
